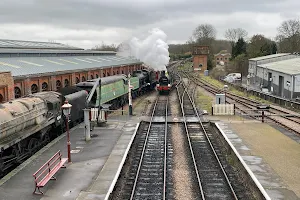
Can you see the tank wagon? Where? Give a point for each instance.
(28, 123)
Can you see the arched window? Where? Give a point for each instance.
(117, 72)
(122, 72)
(97, 76)
(44, 86)
(67, 83)
(103, 74)
(108, 74)
(1, 98)
(77, 80)
(34, 88)
(114, 73)
(83, 79)
(18, 93)
(92, 77)
(58, 84)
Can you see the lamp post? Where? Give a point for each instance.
(129, 95)
(67, 111)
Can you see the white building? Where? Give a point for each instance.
(282, 78)
(254, 62)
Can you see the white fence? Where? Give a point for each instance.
(223, 109)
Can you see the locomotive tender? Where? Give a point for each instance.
(29, 123)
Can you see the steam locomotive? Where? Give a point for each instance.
(29, 123)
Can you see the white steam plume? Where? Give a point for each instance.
(153, 50)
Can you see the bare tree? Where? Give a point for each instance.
(233, 34)
(289, 36)
(204, 34)
(289, 28)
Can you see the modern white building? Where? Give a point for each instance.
(282, 78)
(254, 62)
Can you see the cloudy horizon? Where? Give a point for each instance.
(87, 23)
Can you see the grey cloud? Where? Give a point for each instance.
(119, 13)
(94, 18)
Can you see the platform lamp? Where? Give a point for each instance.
(67, 111)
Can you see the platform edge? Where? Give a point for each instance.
(121, 164)
(260, 187)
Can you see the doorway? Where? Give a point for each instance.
(281, 86)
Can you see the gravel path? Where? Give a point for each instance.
(279, 151)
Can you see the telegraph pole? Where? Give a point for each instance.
(129, 96)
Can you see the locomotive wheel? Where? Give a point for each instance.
(33, 146)
(17, 155)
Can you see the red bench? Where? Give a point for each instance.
(48, 170)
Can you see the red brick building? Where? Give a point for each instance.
(200, 54)
(222, 57)
(38, 66)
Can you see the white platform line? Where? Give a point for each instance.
(260, 187)
(121, 164)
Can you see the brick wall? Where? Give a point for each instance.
(200, 60)
(8, 86)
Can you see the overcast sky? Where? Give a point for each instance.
(86, 23)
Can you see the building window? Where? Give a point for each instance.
(92, 77)
(83, 79)
(67, 83)
(221, 58)
(122, 72)
(34, 88)
(108, 74)
(58, 84)
(77, 80)
(97, 76)
(1, 98)
(217, 58)
(17, 92)
(44, 86)
(225, 58)
(114, 73)
(103, 74)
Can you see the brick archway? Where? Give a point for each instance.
(18, 92)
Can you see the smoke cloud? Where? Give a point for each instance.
(153, 50)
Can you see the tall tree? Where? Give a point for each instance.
(233, 34)
(204, 34)
(289, 36)
(261, 46)
(240, 47)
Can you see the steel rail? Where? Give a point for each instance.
(165, 158)
(210, 144)
(188, 138)
(143, 152)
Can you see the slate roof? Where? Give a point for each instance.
(33, 66)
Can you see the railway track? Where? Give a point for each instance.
(289, 120)
(152, 160)
(212, 179)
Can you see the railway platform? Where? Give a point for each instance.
(94, 163)
(271, 153)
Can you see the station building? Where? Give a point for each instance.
(28, 67)
(282, 78)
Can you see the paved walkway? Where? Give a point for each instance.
(273, 156)
(88, 159)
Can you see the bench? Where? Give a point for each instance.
(48, 170)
